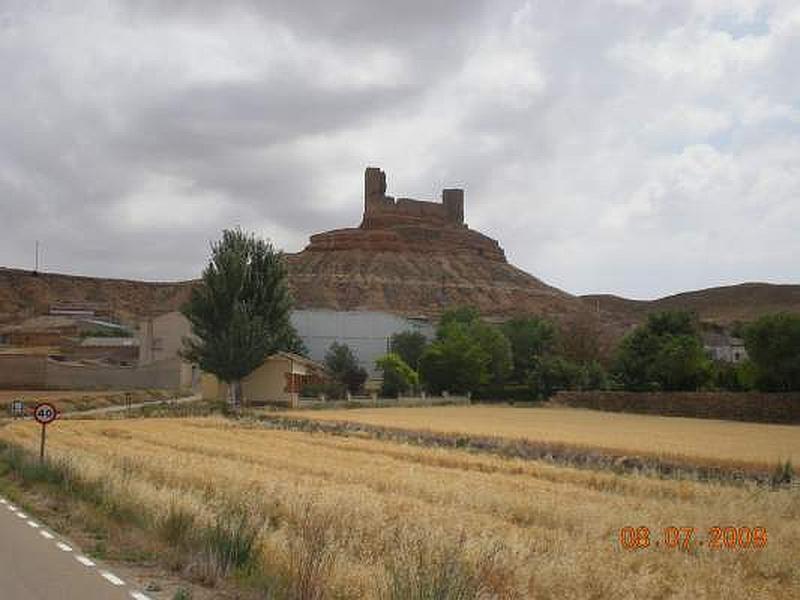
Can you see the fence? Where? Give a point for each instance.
(375, 402)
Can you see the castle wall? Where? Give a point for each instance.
(381, 210)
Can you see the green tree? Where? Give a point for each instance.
(409, 345)
(498, 347)
(343, 366)
(460, 315)
(664, 353)
(239, 312)
(467, 353)
(593, 376)
(398, 376)
(773, 345)
(681, 363)
(550, 374)
(530, 337)
(455, 363)
(734, 377)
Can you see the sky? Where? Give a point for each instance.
(640, 148)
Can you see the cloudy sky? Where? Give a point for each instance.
(634, 147)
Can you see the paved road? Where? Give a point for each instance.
(122, 407)
(36, 564)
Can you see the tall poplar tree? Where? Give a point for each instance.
(239, 312)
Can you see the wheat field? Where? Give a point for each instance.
(694, 439)
(358, 518)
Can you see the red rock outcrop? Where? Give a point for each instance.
(405, 225)
(418, 258)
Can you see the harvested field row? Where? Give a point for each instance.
(362, 518)
(669, 438)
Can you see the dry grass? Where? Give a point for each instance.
(704, 439)
(70, 400)
(345, 517)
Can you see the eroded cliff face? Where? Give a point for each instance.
(415, 257)
(418, 283)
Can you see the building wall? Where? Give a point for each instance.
(43, 373)
(268, 383)
(730, 353)
(161, 337)
(367, 333)
(23, 372)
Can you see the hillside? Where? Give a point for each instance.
(723, 305)
(24, 294)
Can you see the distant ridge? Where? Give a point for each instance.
(23, 294)
(722, 305)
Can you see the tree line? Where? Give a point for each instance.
(239, 315)
(533, 357)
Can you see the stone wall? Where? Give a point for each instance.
(22, 372)
(732, 406)
(43, 373)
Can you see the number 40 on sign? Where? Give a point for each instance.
(44, 413)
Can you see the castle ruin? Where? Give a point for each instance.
(380, 209)
(406, 225)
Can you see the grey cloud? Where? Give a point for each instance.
(609, 147)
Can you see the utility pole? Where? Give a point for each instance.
(36, 258)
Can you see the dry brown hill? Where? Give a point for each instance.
(25, 294)
(723, 305)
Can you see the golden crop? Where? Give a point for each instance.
(700, 439)
(347, 515)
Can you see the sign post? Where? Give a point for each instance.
(44, 413)
(17, 409)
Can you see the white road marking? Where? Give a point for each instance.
(107, 575)
(34, 524)
(139, 596)
(64, 547)
(12, 508)
(22, 515)
(3, 501)
(84, 561)
(47, 535)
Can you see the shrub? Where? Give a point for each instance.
(664, 353)
(409, 345)
(783, 474)
(343, 366)
(230, 544)
(398, 377)
(423, 570)
(773, 344)
(332, 390)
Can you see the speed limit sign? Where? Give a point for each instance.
(45, 413)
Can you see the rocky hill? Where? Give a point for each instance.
(25, 294)
(407, 257)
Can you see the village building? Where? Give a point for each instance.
(721, 347)
(280, 379)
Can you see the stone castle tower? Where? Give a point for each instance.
(381, 210)
(408, 226)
